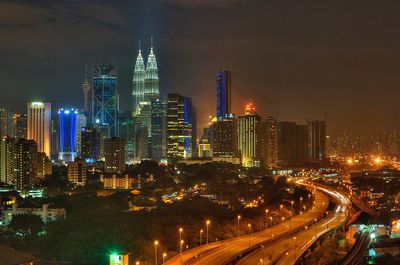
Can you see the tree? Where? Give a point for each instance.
(26, 224)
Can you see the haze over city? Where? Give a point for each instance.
(293, 59)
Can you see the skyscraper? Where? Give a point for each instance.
(90, 144)
(249, 137)
(114, 155)
(39, 125)
(25, 164)
(269, 142)
(225, 138)
(80, 123)
(316, 140)
(181, 139)
(139, 75)
(20, 125)
(157, 121)
(6, 122)
(105, 98)
(223, 94)
(127, 132)
(7, 160)
(68, 124)
(151, 82)
(86, 89)
(292, 143)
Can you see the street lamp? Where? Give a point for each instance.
(181, 244)
(266, 218)
(180, 233)
(249, 226)
(137, 263)
(238, 225)
(155, 249)
(164, 255)
(281, 206)
(207, 224)
(201, 236)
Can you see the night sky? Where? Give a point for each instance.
(294, 59)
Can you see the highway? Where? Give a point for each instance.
(289, 249)
(225, 251)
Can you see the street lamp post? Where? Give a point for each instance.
(181, 244)
(201, 236)
(164, 255)
(281, 207)
(249, 226)
(155, 250)
(238, 225)
(207, 224)
(266, 218)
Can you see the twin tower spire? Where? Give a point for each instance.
(145, 81)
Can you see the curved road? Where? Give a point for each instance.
(223, 252)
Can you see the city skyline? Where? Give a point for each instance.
(301, 70)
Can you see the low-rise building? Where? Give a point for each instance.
(46, 213)
(117, 181)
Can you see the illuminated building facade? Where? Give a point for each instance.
(269, 142)
(39, 125)
(68, 129)
(249, 137)
(181, 124)
(316, 140)
(151, 81)
(225, 138)
(25, 163)
(139, 75)
(114, 152)
(117, 181)
(7, 160)
(86, 90)
(127, 132)
(105, 98)
(77, 172)
(80, 123)
(223, 94)
(43, 166)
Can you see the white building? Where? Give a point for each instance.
(47, 213)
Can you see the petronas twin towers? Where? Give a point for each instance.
(145, 82)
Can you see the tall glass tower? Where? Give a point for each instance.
(223, 94)
(105, 98)
(139, 75)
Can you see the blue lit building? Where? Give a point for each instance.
(223, 94)
(105, 98)
(67, 137)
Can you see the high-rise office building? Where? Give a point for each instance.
(25, 164)
(141, 141)
(316, 140)
(67, 129)
(205, 143)
(157, 123)
(39, 125)
(105, 98)
(80, 123)
(20, 125)
(6, 123)
(292, 143)
(114, 155)
(90, 144)
(269, 142)
(181, 126)
(7, 159)
(225, 138)
(77, 172)
(223, 94)
(139, 75)
(249, 137)
(86, 90)
(127, 132)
